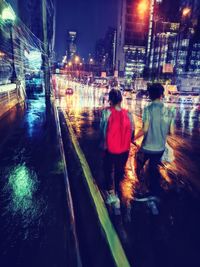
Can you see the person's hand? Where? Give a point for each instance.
(135, 144)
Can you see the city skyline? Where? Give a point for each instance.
(144, 46)
(84, 17)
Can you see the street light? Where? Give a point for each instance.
(8, 15)
(70, 66)
(186, 12)
(77, 59)
(143, 7)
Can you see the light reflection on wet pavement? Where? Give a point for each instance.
(84, 109)
(33, 224)
(169, 239)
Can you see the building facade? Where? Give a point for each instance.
(164, 47)
(10, 47)
(192, 21)
(132, 35)
(105, 52)
(175, 39)
(71, 45)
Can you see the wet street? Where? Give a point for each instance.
(35, 226)
(171, 237)
(36, 223)
(86, 179)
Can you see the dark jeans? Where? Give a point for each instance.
(114, 169)
(154, 175)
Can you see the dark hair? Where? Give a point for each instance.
(155, 91)
(115, 96)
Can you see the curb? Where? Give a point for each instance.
(67, 185)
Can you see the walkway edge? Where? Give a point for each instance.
(68, 191)
(106, 224)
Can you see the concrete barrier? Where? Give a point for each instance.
(10, 96)
(68, 190)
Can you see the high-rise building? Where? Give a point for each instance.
(132, 35)
(175, 38)
(171, 45)
(105, 51)
(71, 45)
(164, 47)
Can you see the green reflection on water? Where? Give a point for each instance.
(58, 167)
(23, 184)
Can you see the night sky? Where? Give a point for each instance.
(90, 18)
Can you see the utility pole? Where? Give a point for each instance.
(46, 51)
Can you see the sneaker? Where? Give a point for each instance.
(111, 198)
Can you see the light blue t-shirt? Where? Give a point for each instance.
(160, 119)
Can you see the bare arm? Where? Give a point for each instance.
(142, 131)
(145, 125)
(172, 128)
(172, 123)
(132, 126)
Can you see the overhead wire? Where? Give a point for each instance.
(22, 39)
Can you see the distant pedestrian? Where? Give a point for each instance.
(158, 122)
(117, 130)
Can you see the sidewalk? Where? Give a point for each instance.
(35, 225)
